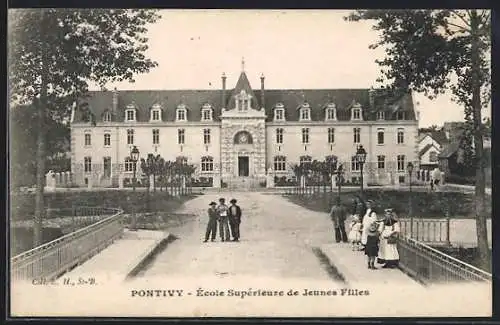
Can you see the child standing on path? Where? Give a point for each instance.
(372, 244)
(355, 233)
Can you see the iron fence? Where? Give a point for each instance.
(430, 231)
(54, 258)
(428, 265)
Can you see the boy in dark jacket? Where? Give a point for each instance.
(212, 222)
(235, 219)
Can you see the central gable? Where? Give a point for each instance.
(242, 92)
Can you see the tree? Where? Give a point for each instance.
(53, 55)
(431, 51)
(23, 146)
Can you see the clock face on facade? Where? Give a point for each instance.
(243, 138)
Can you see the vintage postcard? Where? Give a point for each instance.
(207, 163)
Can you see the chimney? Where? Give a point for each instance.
(223, 90)
(262, 97)
(371, 96)
(115, 102)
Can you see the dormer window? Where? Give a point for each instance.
(305, 112)
(331, 113)
(380, 115)
(106, 117)
(243, 101)
(400, 115)
(181, 114)
(279, 112)
(356, 112)
(130, 113)
(206, 112)
(156, 113)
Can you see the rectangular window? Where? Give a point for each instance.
(305, 135)
(380, 115)
(156, 136)
(401, 163)
(280, 163)
(356, 114)
(87, 164)
(400, 115)
(156, 115)
(130, 115)
(207, 164)
(88, 138)
(330, 115)
(207, 115)
(107, 139)
(401, 136)
(381, 162)
(180, 136)
(305, 160)
(331, 135)
(355, 165)
(380, 136)
(357, 135)
(206, 136)
(304, 114)
(129, 165)
(130, 136)
(279, 115)
(181, 115)
(279, 136)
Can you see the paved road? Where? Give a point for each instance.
(277, 241)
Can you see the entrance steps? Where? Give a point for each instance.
(243, 183)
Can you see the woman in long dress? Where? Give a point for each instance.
(388, 251)
(369, 218)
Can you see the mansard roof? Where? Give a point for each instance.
(343, 99)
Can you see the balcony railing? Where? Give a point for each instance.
(428, 265)
(54, 258)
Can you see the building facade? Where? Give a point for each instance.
(241, 135)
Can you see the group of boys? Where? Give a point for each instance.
(228, 218)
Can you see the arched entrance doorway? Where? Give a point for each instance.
(243, 143)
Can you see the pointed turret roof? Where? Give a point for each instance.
(243, 84)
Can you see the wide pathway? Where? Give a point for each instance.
(277, 240)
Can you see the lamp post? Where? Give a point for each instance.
(134, 157)
(410, 205)
(361, 158)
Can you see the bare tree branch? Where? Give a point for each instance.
(461, 17)
(462, 28)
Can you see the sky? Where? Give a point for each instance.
(292, 48)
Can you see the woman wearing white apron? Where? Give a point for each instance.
(388, 251)
(369, 218)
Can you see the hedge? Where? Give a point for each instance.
(23, 205)
(424, 204)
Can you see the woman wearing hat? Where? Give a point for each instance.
(212, 222)
(388, 252)
(369, 218)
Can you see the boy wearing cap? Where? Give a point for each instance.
(212, 222)
(222, 210)
(235, 219)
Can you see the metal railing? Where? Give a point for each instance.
(431, 231)
(428, 265)
(54, 258)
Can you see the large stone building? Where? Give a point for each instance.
(240, 135)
